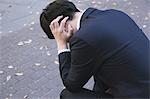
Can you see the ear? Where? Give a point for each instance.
(71, 24)
(66, 27)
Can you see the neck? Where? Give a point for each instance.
(75, 20)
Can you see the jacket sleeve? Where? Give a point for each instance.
(77, 67)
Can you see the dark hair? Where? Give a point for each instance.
(53, 10)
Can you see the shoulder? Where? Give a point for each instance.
(77, 41)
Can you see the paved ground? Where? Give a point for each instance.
(28, 60)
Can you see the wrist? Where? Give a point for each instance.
(62, 45)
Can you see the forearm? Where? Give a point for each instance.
(77, 66)
(65, 63)
(65, 67)
(64, 60)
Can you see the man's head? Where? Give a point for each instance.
(53, 10)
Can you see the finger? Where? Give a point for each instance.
(70, 30)
(51, 25)
(56, 24)
(63, 22)
(58, 18)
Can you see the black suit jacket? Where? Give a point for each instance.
(112, 48)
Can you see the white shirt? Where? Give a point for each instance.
(78, 27)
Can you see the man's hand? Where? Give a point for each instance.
(61, 33)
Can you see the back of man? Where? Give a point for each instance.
(106, 44)
(119, 54)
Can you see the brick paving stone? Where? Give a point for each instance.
(36, 85)
(8, 90)
(54, 93)
(38, 93)
(20, 94)
(49, 85)
(23, 83)
(37, 75)
(3, 77)
(10, 82)
(52, 74)
(26, 73)
(37, 82)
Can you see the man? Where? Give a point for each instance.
(107, 45)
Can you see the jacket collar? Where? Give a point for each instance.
(87, 13)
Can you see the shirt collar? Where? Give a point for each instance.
(79, 20)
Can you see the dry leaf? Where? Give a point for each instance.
(114, 4)
(10, 95)
(25, 97)
(10, 66)
(37, 64)
(1, 72)
(44, 66)
(24, 24)
(56, 62)
(8, 78)
(20, 43)
(19, 74)
(46, 48)
(28, 41)
(32, 23)
(44, 36)
(31, 28)
(144, 26)
(48, 53)
(37, 13)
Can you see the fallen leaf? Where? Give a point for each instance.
(25, 97)
(146, 18)
(48, 53)
(24, 24)
(10, 95)
(37, 13)
(56, 62)
(44, 36)
(28, 7)
(19, 74)
(46, 47)
(1, 72)
(144, 26)
(114, 4)
(44, 66)
(37, 64)
(8, 78)
(28, 41)
(32, 23)
(10, 31)
(10, 66)
(31, 28)
(41, 47)
(20, 43)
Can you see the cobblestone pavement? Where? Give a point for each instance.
(28, 59)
